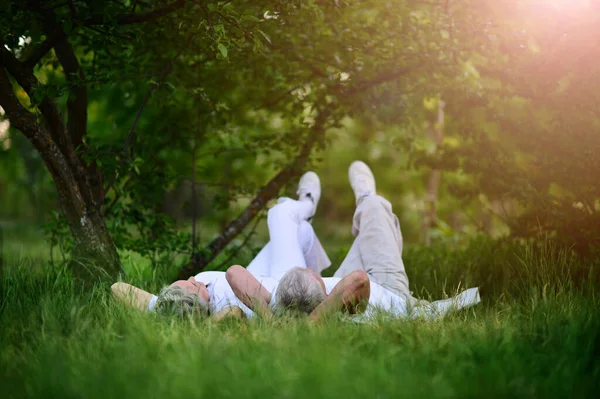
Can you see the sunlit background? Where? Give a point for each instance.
(491, 132)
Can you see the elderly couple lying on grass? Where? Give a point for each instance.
(285, 275)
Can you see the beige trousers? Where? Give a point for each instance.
(377, 247)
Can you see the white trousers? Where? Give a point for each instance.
(377, 247)
(293, 242)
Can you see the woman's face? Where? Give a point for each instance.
(193, 287)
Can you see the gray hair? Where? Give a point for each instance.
(298, 291)
(177, 301)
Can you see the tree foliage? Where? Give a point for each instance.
(529, 127)
(127, 100)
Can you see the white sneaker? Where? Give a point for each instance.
(361, 179)
(309, 188)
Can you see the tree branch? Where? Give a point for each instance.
(379, 79)
(268, 192)
(126, 19)
(249, 35)
(134, 6)
(77, 108)
(72, 9)
(27, 80)
(1, 255)
(195, 189)
(241, 246)
(77, 101)
(26, 122)
(127, 144)
(77, 116)
(135, 18)
(39, 52)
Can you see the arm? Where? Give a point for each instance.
(230, 312)
(249, 290)
(131, 296)
(351, 292)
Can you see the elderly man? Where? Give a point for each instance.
(373, 270)
(292, 239)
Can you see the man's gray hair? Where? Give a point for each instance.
(299, 291)
(177, 301)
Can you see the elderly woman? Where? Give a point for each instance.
(207, 293)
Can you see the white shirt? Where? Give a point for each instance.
(270, 285)
(383, 301)
(220, 293)
(380, 299)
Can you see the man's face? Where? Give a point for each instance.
(319, 279)
(193, 287)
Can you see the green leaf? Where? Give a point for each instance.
(222, 50)
(67, 26)
(264, 35)
(258, 45)
(251, 18)
(219, 29)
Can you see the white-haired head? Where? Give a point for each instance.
(299, 291)
(174, 300)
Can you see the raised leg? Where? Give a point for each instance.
(293, 242)
(314, 254)
(377, 248)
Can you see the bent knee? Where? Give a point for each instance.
(282, 208)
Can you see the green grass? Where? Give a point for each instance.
(537, 334)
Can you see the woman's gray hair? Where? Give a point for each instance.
(299, 291)
(177, 301)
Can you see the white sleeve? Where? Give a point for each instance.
(382, 300)
(222, 297)
(152, 303)
(272, 302)
(439, 308)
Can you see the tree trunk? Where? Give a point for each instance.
(434, 179)
(94, 255)
(1, 256)
(79, 186)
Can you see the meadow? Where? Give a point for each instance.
(535, 334)
(159, 132)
